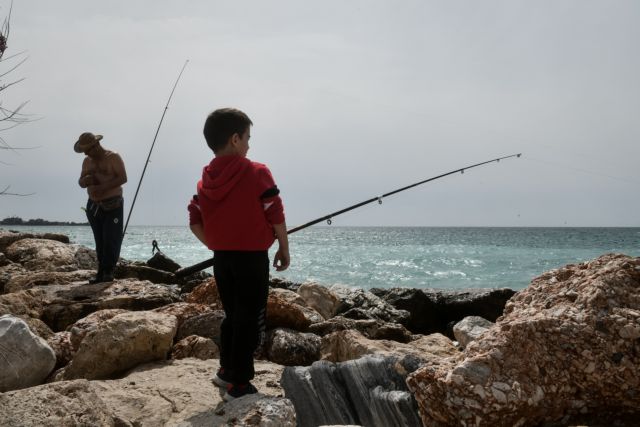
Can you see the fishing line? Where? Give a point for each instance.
(329, 217)
(146, 163)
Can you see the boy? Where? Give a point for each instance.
(238, 214)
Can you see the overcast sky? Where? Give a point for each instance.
(349, 99)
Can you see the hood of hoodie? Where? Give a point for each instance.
(221, 175)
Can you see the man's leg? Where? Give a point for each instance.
(95, 221)
(112, 240)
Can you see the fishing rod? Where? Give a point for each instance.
(166, 107)
(328, 218)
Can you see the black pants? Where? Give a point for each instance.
(107, 232)
(243, 284)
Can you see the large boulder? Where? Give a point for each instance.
(284, 314)
(19, 282)
(195, 346)
(141, 271)
(42, 254)
(356, 303)
(371, 328)
(26, 358)
(205, 293)
(370, 391)
(470, 329)
(121, 343)
(320, 298)
(24, 303)
(205, 325)
(8, 271)
(566, 350)
(290, 348)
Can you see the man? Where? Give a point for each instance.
(103, 175)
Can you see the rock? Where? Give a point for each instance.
(183, 311)
(205, 325)
(290, 348)
(195, 346)
(556, 356)
(350, 344)
(470, 329)
(67, 304)
(434, 310)
(82, 327)
(60, 343)
(42, 254)
(320, 299)
(370, 328)
(38, 327)
(30, 280)
(160, 261)
(283, 314)
(358, 304)
(26, 358)
(69, 403)
(370, 391)
(140, 271)
(180, 393)
(121, 343)
(205, 293)
(4, 261)
(7, 272)
(85, 258)
(24, 303)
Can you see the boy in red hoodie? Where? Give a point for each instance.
(238, 214)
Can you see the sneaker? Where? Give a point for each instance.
(220, 379)
(235, 391)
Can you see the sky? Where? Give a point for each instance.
(350, 99)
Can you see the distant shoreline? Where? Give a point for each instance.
(17, 221)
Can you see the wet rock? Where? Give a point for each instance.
(560, 354)
(435, 310)
(69, 403)
(290, 348)
(195, 346)
(350, 344)
(121, 343)
(320, 299)
(369, 391)
(26, 358)
(205, 325)
(160, 261)
(470, 329)
(371, 328)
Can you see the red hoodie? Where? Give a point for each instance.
(237, 204)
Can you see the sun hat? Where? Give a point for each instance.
(85, 142)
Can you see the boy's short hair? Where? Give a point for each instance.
(222, 124)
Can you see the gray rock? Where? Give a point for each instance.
(371, 328)
(359, 304)
(369, 391)
(291, 348)
(469, 329)
(26, 358)
(206, 325)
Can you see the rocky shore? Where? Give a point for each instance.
(141, 350)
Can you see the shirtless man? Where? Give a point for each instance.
(103, 174)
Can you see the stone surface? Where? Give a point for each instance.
(470, 329)
(24, 303)
(68, 403)
(7, 272)
(26, 359)
(141, 271)
(350, 344)
(284, 314)
(121, 343)
(42, 254)
(290, 348)
(320, 299)
(433, 310)
(370, 391)
(205, 293)
(359, 304)
(371, 328)
(79, 330)
(195, 346)
(160, 261)
(566, 350)
(206, 325)
(60, 343)
(19, 282)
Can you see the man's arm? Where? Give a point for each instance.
(282, 258)
(86, 179)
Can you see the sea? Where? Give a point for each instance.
(382, 257)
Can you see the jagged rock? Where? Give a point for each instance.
(26, 358)
(278, 283)
(311, 315)
(566, 350)
(60, 343)
(67, 304)
(86, 258)
(350, 344)
(120, 343)
(205, 325)
(183, 311)
(371, 328)
(7, 238)
(320, 299)
(358, 304)
(38, 327)
(283, 314)
(19, 282)
(160, 261)
(370, 391)
(7, 272)
(140, 271)
(68, 403)
(435, 310)
(195, 346)
(470, 329)
(290, 348)
(4, 260)
(79, 329)
(42, 254)
(180, 393)
(205, 293)
(24, 303)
